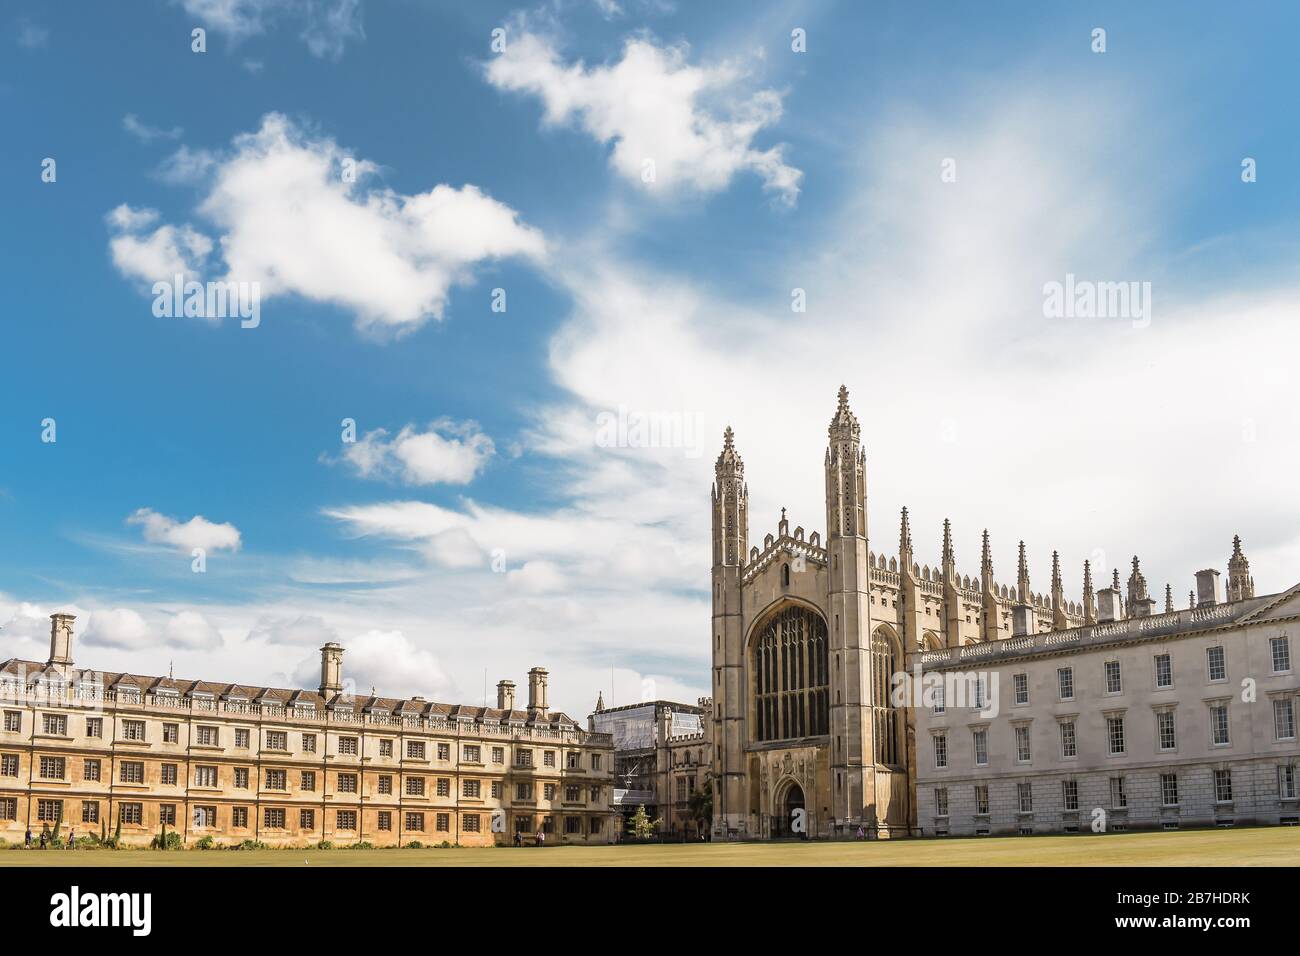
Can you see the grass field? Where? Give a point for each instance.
(1279, 846)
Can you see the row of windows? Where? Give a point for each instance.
(132, 771)
(1169, 793)
(1284, 728)
(1216, 671)
(56, 725)
(276, 818)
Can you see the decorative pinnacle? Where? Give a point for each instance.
(1236, 545)
(1087, 578)
(1115, 581)
(905, 532)
(844, 420)
(1169, 598)
(986, 558)
(729, 462)
(947, 540)
(1056, 571)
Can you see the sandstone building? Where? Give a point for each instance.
(1055, 714)
(289, 767)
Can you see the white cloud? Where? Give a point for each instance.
(289, 219)
(156, 256)
(190, 629)
(692, 122)
(327, 25)
(389, 662)
(146, 133)
(186, 166)
(447, 453)
(305, 629)
(118, 627)
(198, 532)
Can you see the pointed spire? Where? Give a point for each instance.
(1240, 584)
(1115, 580)
(1137, 584)
(1191, 600)
(600, 701)
(1056, 574)
(948, 556)
(905, 543)
(1089, 602)
(986, 561)
(1022, 577)
(1169, 598)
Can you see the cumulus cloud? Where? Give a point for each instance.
(119, 627)
(388, 661)
(190, 629)
(157, 255)
(292, 213)
(447, 453)
(327, 26)
(197, 532)
(693, 123)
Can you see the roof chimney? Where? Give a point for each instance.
(61, 639)
(1022, 620)
(331, 669)
(1110, 606)
(537, 707)
(1207, 588)
(505, 695)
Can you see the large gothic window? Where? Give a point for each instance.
(885, 717)
(791, 676)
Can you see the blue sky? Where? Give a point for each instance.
(481, 524)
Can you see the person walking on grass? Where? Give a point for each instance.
(27, 841)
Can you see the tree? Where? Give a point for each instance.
(643, 828)
(701, 803)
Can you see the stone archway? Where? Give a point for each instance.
(789, 801)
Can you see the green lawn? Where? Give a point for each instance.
(1278, 846)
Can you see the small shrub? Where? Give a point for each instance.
(415, 845)
(205, 843)
(251, 845)
(324, 845)
(361, 845)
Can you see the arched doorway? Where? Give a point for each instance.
(789, 802)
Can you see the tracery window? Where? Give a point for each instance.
(791, 676)
(884, 715)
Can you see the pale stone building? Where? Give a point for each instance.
(815, 733)
(93, 750)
